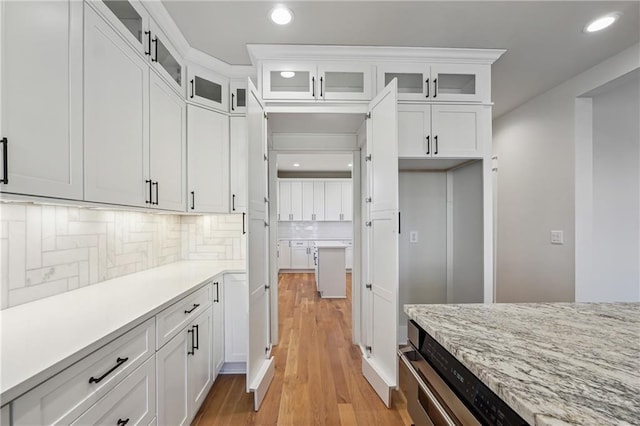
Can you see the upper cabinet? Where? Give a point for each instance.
(164, 58)
(311, 81)
(41, 106)
(439, 82)
(238, 102)
(208, 89)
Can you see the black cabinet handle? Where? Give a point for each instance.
(192, 88)
(197, 333)
(119, 362)
(156, 185)
(5, 161)
(193, 200)
(193, 345)
(155, 41)
(427, 83)
(435, 151)
(321, 86)
(244, 231)
(233, 202)
(217, 299)
(399, 224)
(428, 145)
(435, 87)
(233, 95)
(148, 34)
(122, 422)
(313, 87)
(150, 201)
(195, 305)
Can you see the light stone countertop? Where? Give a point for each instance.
(41, 338)
(553, 363)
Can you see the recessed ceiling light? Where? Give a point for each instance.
(350, 164)
(296, 164)
(281, 15)
(601, 23)
(287, 74)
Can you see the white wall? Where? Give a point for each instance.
(535, 148)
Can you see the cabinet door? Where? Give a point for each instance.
(4, 415)
(130, 19)
(236, 320)
(414, 131)
(200, 361)
(217, 326)
(116, 117)
(207, 88)
(42, 98)
(164, 58)
(318, 200)
(171, 365)
(456, 131)
(413, 80)
(461, 82)
(289, 81)
(344, 82)
(347, 201)
(296, 200)
(307, 201)
(284, 201)
(238, 101)
(299, 257)
(168, 149)
(332, 200)
(207, 160)
(238, 170)
(284, 255)
(348, 257)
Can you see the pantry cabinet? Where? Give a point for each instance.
(441, 131)
(207, 160)
(238, 169)
(42, 98)
(207, 88)
(311, 81)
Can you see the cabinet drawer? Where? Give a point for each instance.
(65, 396)
(131, 402)
(174, 318)
(298, 244)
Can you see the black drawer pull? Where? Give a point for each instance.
(122, 422)
(195, 305)
(197, 345)
(119, 362)
(244, 230)
(193, 345)
(217, 299)
(5, 161)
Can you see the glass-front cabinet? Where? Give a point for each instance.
(130, 19)
(438, 82)
(238, 101)
(312, 81)
(207, 88)
(164, 58)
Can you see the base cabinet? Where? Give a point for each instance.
(236, 318)
(200, 362)
(217, 327)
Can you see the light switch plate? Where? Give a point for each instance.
(557, 237)
(413, 236)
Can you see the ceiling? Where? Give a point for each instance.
(544, 39)
(315, 162)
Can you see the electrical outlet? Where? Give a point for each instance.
(557, 237)
(413, 236)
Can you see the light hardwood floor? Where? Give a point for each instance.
(317, 380)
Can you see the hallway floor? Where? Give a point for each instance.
(317, 379)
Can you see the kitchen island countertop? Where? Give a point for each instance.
(553, 363)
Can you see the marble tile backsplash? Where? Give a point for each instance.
(47, 250)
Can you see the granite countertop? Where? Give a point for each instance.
(553, 363)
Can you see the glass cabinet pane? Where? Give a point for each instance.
(241, 98)
(407, 82)
(290, 81)
(349, 82)
(167, 61)
(127, 15)
(464, 84)
(208, 89)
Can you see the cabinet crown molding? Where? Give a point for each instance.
(315, 53)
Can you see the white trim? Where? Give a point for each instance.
(260, 386)
(449, 226)
(380, 384)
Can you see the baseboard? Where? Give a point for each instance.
(234, 368)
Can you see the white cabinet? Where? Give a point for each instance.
(207, 160)
(207, 88)
(238, 101)
(443, 131)
(338, 201)
(42, 98)
(438, 82)
(299, 257)
(284, 254)
(200, 361)
(130, 19)
(236, 318)
(312, 200)
(217, 326)
(348, 256)
(116, 118)
(311, 81)
(167, 153)
(238, 168)
(5, 418)
(290, 201)
(164, 58)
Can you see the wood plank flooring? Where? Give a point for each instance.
(318, 379)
